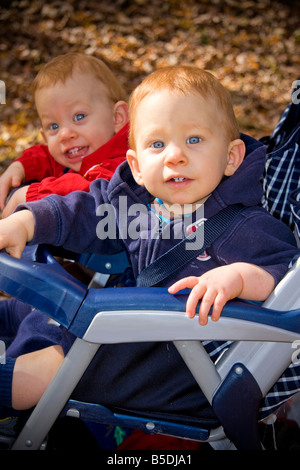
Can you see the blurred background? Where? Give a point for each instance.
(251, 46)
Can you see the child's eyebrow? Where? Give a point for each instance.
(47, 119)
(46, 116)
(150, 134)
(195, 126)
(153, 129)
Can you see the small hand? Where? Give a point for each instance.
(16, 198)
(15, 231)
(12, 178)
(213, 288)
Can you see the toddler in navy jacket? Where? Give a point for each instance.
(186, 157)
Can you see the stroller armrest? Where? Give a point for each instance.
(43, 285)
(152, 314)
(142, 314)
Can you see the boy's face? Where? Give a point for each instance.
(182, 152)
(77, 118)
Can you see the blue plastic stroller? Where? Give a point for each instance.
(261, 343)
(259, 335)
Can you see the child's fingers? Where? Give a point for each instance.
(209, 298)
(15, 251)
(10, 246)
(199, 292)
(185, 283)
(207, 302)
(218, 306)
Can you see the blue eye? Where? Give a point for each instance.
(194, 140)
(158, 144)
(53, 126)
(79, 117)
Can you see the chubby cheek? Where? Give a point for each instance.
(62, 160)
(150, 178)
(59, 158)
(54, 149)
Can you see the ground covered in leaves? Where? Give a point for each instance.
(251, 46)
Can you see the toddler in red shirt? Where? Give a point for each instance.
(84, 118)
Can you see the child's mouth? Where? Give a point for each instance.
(76, 153)
(178, 180)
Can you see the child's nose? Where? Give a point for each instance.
(175, 155)
(66, 133)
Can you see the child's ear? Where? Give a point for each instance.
(120, 115)
(236, 154)
(134, 166)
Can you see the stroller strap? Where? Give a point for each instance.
(181, 254)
